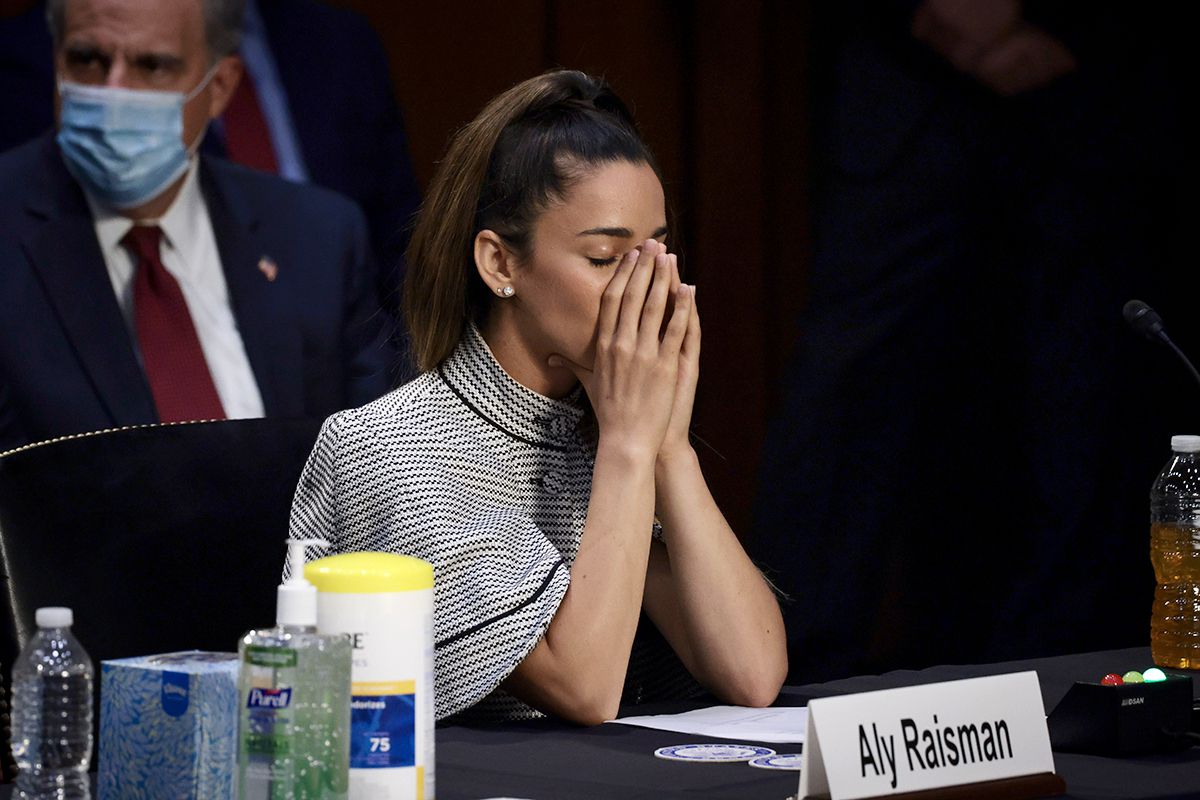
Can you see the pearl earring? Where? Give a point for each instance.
(505, 291)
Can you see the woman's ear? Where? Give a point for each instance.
(495, 263)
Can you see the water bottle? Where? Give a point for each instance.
(52, 712)
(1175, 553)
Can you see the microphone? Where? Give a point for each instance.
(1143, 319)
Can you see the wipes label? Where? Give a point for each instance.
(391, 713)
(383, 725)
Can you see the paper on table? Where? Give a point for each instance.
(785, 725)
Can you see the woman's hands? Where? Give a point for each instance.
(699, 588)
(676, 442)
(635, 380)
(577, 670)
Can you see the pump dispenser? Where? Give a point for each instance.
(294, 698)
(296, 599)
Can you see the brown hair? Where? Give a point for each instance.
(522, 153)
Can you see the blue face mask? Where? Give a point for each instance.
(124, 145)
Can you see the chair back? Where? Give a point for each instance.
(161, 537)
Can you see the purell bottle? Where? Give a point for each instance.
(294, 697)
(383, 604)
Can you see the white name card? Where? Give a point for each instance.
(925, 737)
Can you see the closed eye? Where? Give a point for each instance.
(603, 262)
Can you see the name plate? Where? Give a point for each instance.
(925, 737)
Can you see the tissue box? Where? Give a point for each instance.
(168, 726)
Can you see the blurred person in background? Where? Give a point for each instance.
(315, 104)
(959, 468)
(145, 283)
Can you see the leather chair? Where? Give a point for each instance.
(161, 538)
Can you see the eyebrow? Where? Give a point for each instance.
(80, 51)
(148, 60)
(167, 61)
(621, 233)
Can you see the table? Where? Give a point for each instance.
(548, 760)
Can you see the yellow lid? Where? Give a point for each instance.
(367, 573)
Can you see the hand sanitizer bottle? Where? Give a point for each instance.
(294, 693)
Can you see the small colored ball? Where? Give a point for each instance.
(1112, 679)
(1154, 675)
(1133, 676)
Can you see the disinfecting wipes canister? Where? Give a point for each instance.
(384, 604)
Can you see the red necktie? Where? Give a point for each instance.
(247, 137)
(174, 362)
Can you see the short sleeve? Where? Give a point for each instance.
(497, 590)
(498, 579)
(335, 499)
(314, 506)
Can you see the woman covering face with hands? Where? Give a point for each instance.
(541, 461)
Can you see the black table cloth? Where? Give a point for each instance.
(549, 760)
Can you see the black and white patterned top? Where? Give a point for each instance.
(489, 482)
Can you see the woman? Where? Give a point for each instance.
(549, 428)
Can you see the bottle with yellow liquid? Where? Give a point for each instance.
(1175, 553)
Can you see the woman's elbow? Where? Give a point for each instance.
(591, 714)
(583, 698)
(755, 688)
(590, 706)
(758, 694)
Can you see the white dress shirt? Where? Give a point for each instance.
(189, 253)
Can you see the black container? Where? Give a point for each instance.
(1126, 720)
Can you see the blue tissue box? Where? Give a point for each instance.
(168, 726)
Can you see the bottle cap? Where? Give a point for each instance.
(296, 600)
(1185, 444)
(54, 617)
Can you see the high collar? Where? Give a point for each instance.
(473, 374)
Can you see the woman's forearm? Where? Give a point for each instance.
(709, 597)
(578, 669)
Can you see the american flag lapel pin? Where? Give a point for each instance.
(268, 267)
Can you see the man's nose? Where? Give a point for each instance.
(118, 74)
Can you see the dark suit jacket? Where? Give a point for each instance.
(315, 336)
(335, 74)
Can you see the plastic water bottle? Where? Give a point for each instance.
(1175, 553)
(52, 711)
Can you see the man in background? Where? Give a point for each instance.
(146, 283)
(315, 104)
